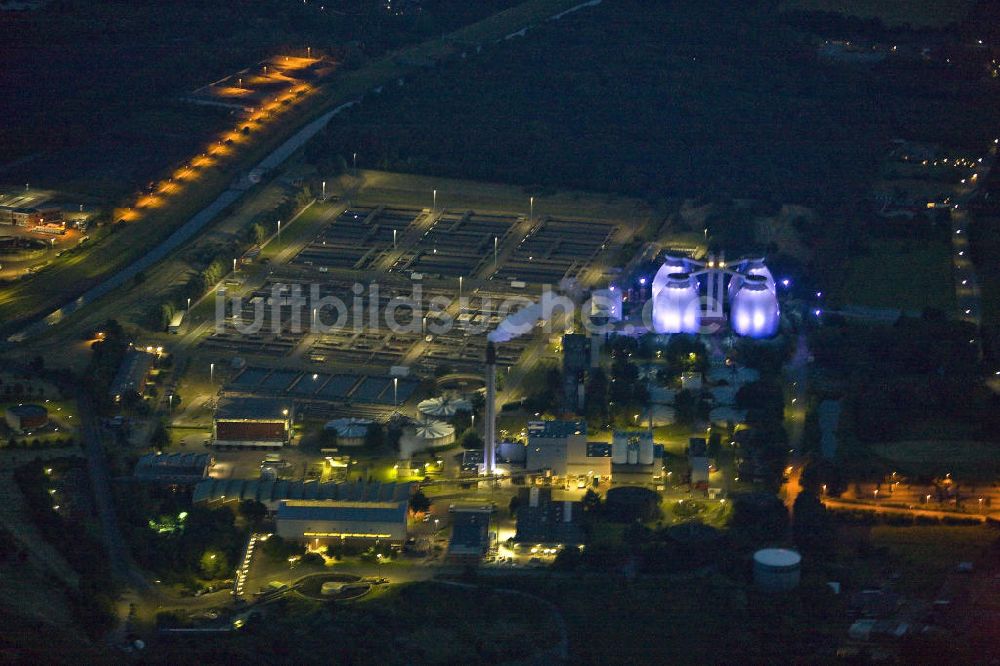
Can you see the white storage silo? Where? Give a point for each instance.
(776, 569)
(753, 310)
(619, 450)
(747, 267)
(646, 451)
(677, 306)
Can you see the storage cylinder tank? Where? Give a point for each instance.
(672, 263)
(677, 307)
(619, 451)
(753, 310)
(350, 431)
(776, 569)
(646, 451)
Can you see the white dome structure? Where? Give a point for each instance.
(753, 309)
(677, 306)
(443, 407)
(434, 433)
(350, 431)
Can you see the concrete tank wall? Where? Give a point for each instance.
(776, 569)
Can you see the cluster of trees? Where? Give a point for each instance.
(617, 395)
(180, 542)
(94, 598)
(757, 520)
(545, 384)
(104, 363)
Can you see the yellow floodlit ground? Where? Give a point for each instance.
(291, 63)
(202, 162)
(168, 187)
(232, 91)
(183, 175)
(271, 77)
(150, 201)
(127, 214)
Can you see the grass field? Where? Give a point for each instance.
(383, 187)
(903, 275)
(424, 623)
(927, 553)
(967, 460)
(681, 620)
(917, 13)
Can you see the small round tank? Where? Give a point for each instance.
(776, 569)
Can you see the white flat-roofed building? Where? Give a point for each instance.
(561, 448)
(324, 522)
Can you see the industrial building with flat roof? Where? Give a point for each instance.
(470, 534)
(270, 493)
(542, 520)
(255, 423)
(132, 374)
(561, 448)
(322, 522)
(173, 468)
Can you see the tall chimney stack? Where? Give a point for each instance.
(490, 434)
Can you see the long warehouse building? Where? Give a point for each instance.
(324, 522)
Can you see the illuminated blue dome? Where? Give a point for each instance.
(753, 309)
(746, 267)
(676, 306)
(672, 263)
